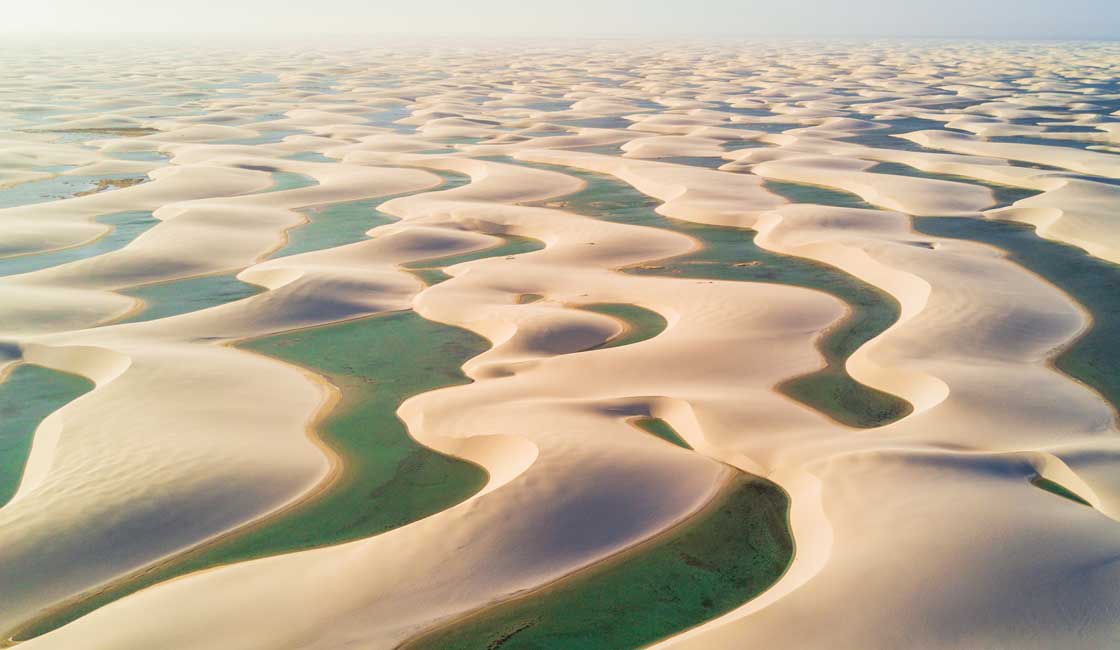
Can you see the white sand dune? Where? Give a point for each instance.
(58, 224)
(922, 533)
(1078, 160)
(918, 196)
(1076, 212)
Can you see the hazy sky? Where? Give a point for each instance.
(1077, 19)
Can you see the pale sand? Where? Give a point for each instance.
(1086, 162)
(1078, 212)
(924, 533)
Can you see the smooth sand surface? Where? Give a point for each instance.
(924, 533)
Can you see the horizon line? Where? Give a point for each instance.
(569, 36)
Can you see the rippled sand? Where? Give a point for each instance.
(526, 250)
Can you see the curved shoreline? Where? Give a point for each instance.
(1091, 357)
(80, 604)
(29, 394)
(612, 611)
(217, 551)
(334, 410)
(105, 243)
(729, 253)
(599, 431)
(639, 324)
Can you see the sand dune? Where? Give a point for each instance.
(334, 185)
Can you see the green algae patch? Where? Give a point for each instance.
(641, 324)
(55, 188)
(386, 479)
(1094, 358)
(166, 299)
(661, 429)
(731, 254)
(528, 298)
(833, 392)
(713, 562)
(106, 184)
(430, 277)
(28, 394)
(1058, 489)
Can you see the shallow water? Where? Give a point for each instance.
(710, 564)
(166, 299)
(126, 226)
(338, 224)
(1058, 489)
(661, 429)
(290, 181)
(311, 156)
(816, 195)
(266, 137)
(708, 162)
(596, 122)
(53, 189)
(146, 156)
(389, 479)
(642, 324)
(28, 394)
(431, 271)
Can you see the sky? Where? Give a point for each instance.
(1021, 19)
